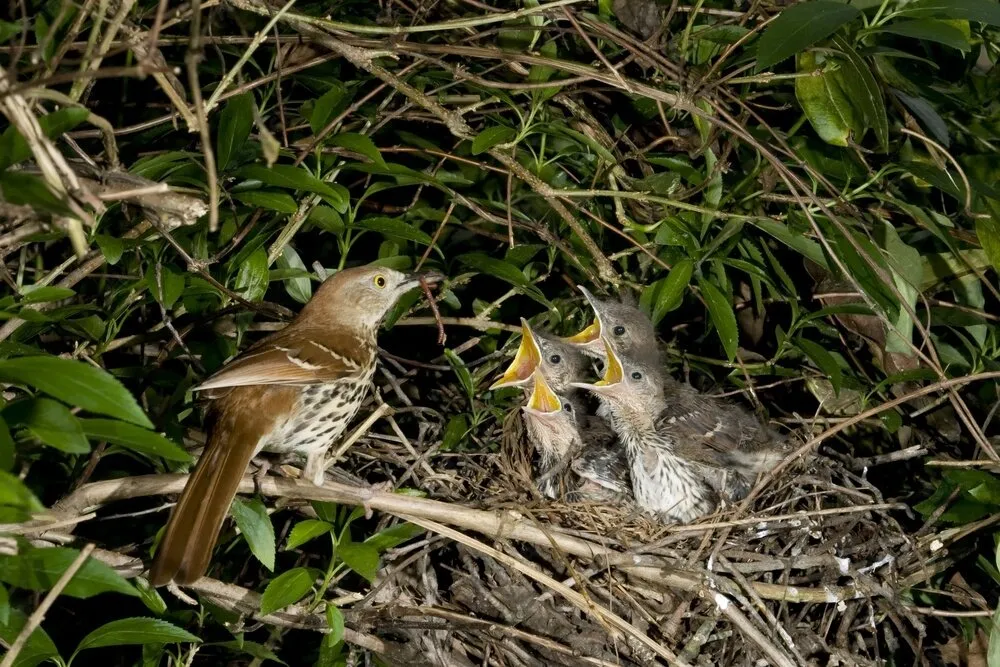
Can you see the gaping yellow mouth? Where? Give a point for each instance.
(588, 335)
(542, 398)
(526, 359)
(613, 372)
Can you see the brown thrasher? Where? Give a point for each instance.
(292, 392)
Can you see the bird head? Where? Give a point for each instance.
(620, 324)
(631, 385)
(361, 296)
(550, 418)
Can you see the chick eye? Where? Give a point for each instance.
(379, 281)
(568, 407)
(619, 330)
(636, 375)
(555, 358)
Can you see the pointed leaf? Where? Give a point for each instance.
(490, 137)
(801, 26)
(721, 312)
(296, 178)
(359, 143)
(281, 202)
(38, 569)
(335, 619)
(299, 288)
(308, 529)
(133, 437)
(395, 228)
(360, 557)
(931, 31)
(285, 589)
(235, 123)
(136, 630)
(253, 521)
(988, 231)
(76, 383)
(39, 647)
(51, 422)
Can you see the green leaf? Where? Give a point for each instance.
(454, 432)
(801, 26)
(285, 589)
(988, 232)
(253, 276)
(296, 178)
(14, 495)
(235, 123)
(928, 117)
(133, 437)
(23, 189)
(53, 125)
(112, 248)
(824, 361)
(359, 143)
(360, 557)
(865, 91)
(39, 647)
(76, 383)
(983, 11)
(327, 219)
(721, 312)
(335, 619)
(4, 606)
(273, 201)
(299, 288)
(395, 228)
(504, 271)
(8, 30)
(805, 247)
(253, 521)
(251, 648)
(6, 448)
(490, 137)
(393, 536)
(166, 287)
(135, 630)
(308, 529)
(324, 108)
(42, 294)
(930, 30)
(38, 569)
(667, 293)
(825, 103)
(51, 422)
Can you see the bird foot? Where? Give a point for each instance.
(259, 476)
(315, 468)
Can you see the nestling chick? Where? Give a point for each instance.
(685, 449)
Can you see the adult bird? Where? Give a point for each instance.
(295, 391)
(686, 451)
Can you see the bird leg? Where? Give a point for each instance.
(315, 468)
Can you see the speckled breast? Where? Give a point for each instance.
(322, 415)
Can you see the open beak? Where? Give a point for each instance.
(589, 338)
(613, 372)
(525, 362)
(543, 400)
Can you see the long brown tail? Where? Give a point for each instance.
(193, 529)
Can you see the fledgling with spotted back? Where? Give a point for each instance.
(295, 391)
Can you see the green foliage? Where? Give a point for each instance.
(802, 197)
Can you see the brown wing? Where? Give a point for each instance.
(709, 430)
(293, 356)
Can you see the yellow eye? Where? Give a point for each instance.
(379, 281)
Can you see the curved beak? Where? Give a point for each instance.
(525, 362)
(414, 279)
(613, 372)
(543, 401)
